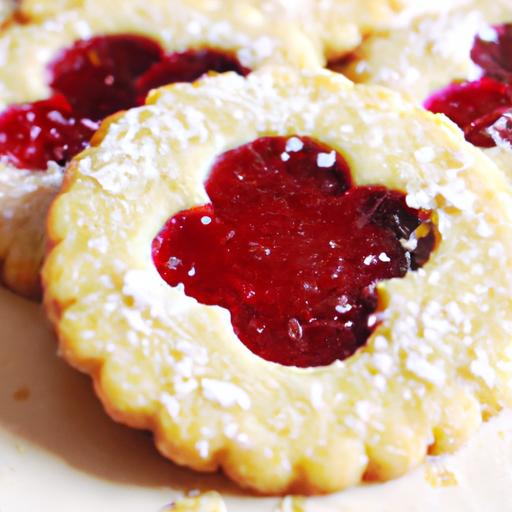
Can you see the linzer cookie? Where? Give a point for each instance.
(286, 277)
(70, 64)
(457, 63)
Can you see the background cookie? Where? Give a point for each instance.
(27, 181)
(427, 376)
(338, 26)
(429, 53)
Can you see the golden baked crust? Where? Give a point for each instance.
(26, 49)
(439, 362)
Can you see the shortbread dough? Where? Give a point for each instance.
(435, 368)
(26, 49)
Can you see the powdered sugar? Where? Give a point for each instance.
(226, 394)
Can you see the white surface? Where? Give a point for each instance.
(59, 451)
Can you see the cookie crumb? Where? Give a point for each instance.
(437, 475)
(21, 394)
(290, 504)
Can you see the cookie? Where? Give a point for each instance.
(207, 502)
(339, 26)
(427, 53)
(335, 26)
(318, 311)
(78, 61)
(423, 58)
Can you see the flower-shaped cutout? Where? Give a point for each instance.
(293, 249)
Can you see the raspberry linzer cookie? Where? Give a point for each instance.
(299, 281)
(61, 74)
(459, 64)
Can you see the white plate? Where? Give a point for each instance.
(60, 452)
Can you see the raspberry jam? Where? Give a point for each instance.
(91, 80)
(493, 54)
(482, 108)
(98, 75)
(31, 135)
(186, 67)
(293, 249)
(474, 107)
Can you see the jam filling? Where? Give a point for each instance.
(474, 107)
(186, 67)
(482, 108)
(293, 249)
(89, 81)
(494, 54)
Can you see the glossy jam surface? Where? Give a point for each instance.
(482, 108)
(31, 135)
(98, 75)
(474, 107)
(493, 54)
(293, 249)
(91, 80)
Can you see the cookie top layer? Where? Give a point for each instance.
(436, 365)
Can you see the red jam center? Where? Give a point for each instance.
(494, 54)
(482, 108)
(474, 107)
(91, 80)
(31, 135)
(293, 249)
(186, 67)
